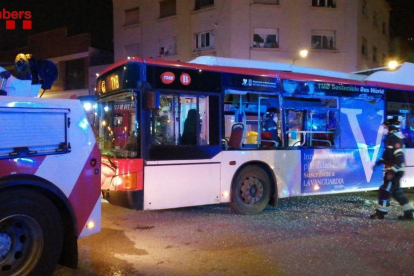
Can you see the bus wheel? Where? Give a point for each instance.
(250, 191)
(31, 233)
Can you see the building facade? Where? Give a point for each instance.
(343, 35)
(77, 62)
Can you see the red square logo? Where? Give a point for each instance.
(27, 24)
(10, 24)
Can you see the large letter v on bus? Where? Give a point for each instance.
(367, 162)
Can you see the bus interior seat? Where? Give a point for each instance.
(267, 141)
(236, 136)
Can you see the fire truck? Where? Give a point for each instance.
(49, 173)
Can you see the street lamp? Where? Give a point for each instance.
(393, 64)
(302, 54)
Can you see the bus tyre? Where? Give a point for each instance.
(31, 233)
(250, 192)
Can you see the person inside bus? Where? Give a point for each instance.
(189, 136)
(269, 128)
(394, 167)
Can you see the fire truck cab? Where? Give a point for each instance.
(49, 173)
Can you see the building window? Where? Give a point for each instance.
(375, 19)
(364, 48)
(324, 3)
(266, 38)
(132, 16)
(374, 54)
(200, 4)
(167, 8)
(364, 8)
(132, 50)
(168, 46)
(322, 39)
(267, 2)
(75, 74)
(204, 40)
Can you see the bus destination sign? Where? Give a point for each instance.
(325, 86)
(110, 82)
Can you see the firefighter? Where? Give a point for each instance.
(269, 128)
(394, 167)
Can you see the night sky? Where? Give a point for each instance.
(95, 17)
(79, 16)
(402, 18)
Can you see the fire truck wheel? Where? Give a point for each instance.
(31, 233)
(250, 192)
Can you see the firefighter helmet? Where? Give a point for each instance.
(392, 124)
(270, 112)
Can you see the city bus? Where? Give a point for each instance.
(175, 134)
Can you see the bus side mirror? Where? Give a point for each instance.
(151, 99)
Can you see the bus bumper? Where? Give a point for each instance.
(128, 199)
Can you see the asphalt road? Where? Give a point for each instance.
(318, 235)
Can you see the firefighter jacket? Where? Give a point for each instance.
(393, 156)
(270, 126)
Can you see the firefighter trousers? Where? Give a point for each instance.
(391, 189)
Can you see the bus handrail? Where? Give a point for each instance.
(311, 132)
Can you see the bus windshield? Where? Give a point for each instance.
(117, 125)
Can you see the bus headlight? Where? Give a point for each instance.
(125, 181)
(90, 225)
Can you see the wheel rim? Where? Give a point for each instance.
(251, 190)
(21, 244)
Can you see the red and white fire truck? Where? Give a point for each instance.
(49, 173)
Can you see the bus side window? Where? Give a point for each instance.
(333, 128)
(408, 132)
(324, 124)
(252, 110)
(294, 127)
(194, 120)
(163, 122)
(312, 122)
(184, 120)
(400, 106)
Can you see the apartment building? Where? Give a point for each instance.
(343, 35)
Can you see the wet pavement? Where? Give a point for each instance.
(318, 235)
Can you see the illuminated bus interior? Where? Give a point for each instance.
(116, 125)
(180, 120)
